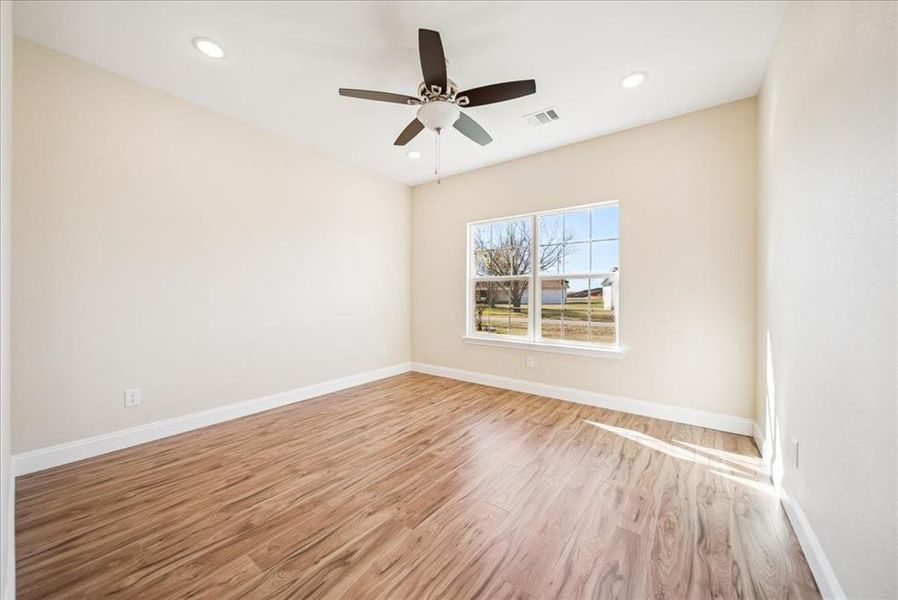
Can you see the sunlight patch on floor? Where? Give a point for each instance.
(736, 467)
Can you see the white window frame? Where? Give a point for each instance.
(535, 341)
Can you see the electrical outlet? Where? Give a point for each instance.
(795, 452)
(385, 351)
(132, 397)
(529, 362)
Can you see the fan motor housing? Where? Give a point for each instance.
(428, 94)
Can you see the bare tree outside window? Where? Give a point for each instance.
(506, 249)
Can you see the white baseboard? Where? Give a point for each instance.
(53, 456)
(761, 442)
(666, 412)
(821, 569)
(823, 572)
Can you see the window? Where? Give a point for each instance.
(567, 296)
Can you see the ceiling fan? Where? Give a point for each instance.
(439, 100)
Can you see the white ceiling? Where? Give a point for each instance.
(285, 61)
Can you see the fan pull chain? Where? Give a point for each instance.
(436, 168)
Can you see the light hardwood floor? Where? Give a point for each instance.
(414, 487)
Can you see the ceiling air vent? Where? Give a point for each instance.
(547, 115)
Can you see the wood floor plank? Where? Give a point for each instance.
(414, 487)
(456, 534)
(531, 564)
(574, 573)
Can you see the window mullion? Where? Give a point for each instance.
(535, 291)
(470, 304)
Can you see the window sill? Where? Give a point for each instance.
(545, 347)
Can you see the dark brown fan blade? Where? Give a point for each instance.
(413, 129)
(379, 96)
(472, 130)
(497, 92)
(433, 60)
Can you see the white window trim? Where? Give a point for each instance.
(535, 340)
(584, 349)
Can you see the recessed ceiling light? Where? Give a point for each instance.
(413, 154)
(633, 79)
(208, 47)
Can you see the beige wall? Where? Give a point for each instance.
(7, 546)
(162, 246)
(687, 194)
(827, 280)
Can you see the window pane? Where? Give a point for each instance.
(501, 307)
(482, 263)
(503, 247)
(550, 229)
(605, 256)
(511, 232)
(481, 237)
(497, 310)
(481, 299)
(575, 313)
(512, 298)
(579, 310)
(603, 299)
(576, 226)
(512, 260)
(552, 300)
(605, 222)
(550, 259)
(576, 258)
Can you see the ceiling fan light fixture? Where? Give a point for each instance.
(438, 115)
(633, 79)
(208, 47)
(413, 154)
